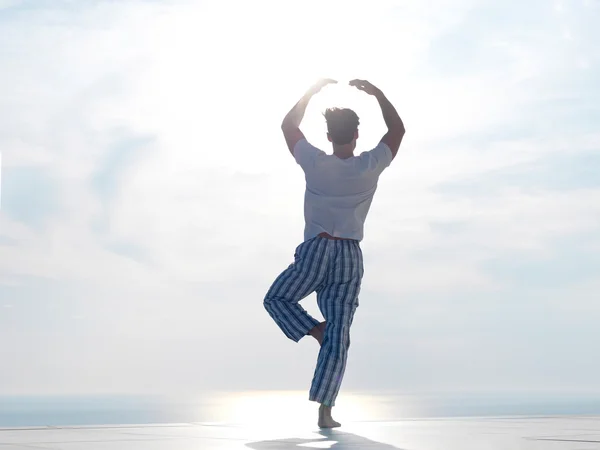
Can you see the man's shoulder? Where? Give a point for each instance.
(381, 149)
(304, 145)
(306, 154)
(377, 158)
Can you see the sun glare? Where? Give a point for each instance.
(289, 408)
(278, 408)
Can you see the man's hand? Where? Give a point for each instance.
(320, 84)
(365, 86)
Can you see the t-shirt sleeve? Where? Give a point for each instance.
(378, 159)
(306, 154)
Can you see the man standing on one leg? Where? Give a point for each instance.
(339, 191)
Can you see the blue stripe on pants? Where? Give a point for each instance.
(333, 269)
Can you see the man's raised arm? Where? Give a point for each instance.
(291, 123)
(394, 124)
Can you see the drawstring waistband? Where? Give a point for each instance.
(333, 238)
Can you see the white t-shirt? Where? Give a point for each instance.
(339, 191)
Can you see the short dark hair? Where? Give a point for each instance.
(342, 124)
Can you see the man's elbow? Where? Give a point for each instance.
(398, 132)
(396, 128)
(290, 129)
(400, 126)
(288, 126)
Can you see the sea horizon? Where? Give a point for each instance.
(250, 407)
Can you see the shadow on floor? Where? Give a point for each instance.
(335, 440)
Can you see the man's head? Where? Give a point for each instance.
(342, 125)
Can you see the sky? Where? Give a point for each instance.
(148, 199)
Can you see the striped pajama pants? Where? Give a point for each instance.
(333, 269)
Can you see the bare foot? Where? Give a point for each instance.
(325, 419)
(318, 332)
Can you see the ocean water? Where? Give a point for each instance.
(260, 406)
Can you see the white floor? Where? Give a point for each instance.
(561, 433)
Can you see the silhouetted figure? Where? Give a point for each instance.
(339, 191)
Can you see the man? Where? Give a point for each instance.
(339, 191)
